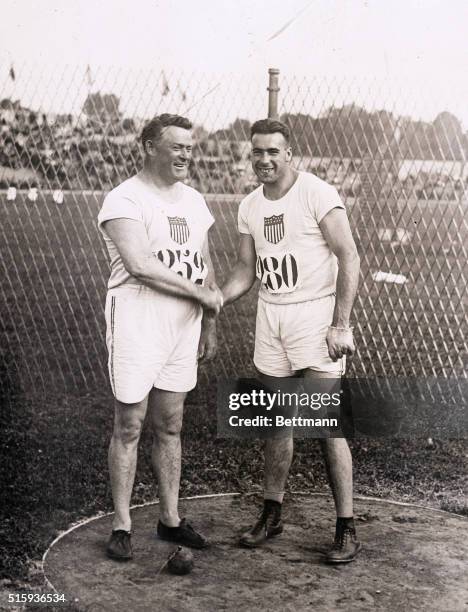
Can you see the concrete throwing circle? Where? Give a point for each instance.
(413, 558)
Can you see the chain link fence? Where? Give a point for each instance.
(68, 137)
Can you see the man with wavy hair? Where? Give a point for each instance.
(160, 312)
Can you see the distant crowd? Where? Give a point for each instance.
(36, 151)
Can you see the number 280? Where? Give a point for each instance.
(277, 274)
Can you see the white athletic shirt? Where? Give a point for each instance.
(176, 229)
(294, 262)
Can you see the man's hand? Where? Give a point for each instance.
(208, 345)
(211, 298)
(340, 342)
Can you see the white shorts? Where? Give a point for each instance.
(292, 337)
(152, 341)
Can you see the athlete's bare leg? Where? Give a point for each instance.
(166, 412)
(128, 422)
(278, 456)
(338, 462)
(340, 473)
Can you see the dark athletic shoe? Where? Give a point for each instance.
(268, 525)
(119, 546)
(184, 534)
(345, 548)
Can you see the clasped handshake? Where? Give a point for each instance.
(211, 298)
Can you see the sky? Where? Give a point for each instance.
(415, 45)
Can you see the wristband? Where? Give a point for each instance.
(341, 328)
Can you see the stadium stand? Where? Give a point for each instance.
(70, 153)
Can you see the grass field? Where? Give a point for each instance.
(57, 409)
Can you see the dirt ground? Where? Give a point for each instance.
(412, 559)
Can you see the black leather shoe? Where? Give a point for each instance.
(119, 546)
(345, 548)
(268, 525)
(184, 534)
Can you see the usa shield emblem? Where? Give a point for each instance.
(273, 228)
(179, 229)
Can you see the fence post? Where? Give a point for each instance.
(273, 89)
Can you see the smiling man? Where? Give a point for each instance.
(160, 309)
(295, 237)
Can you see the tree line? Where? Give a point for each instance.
(354, 132)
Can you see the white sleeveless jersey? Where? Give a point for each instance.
(294, 262)
(176, 230)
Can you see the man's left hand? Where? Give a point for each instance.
(208, 345)
(340, 342)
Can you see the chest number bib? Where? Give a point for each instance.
(186, 263)
(277, 273)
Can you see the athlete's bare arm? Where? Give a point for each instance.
(210, 277)
(336, 231)
(208, 345)
(242, 276)
(131, 240)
